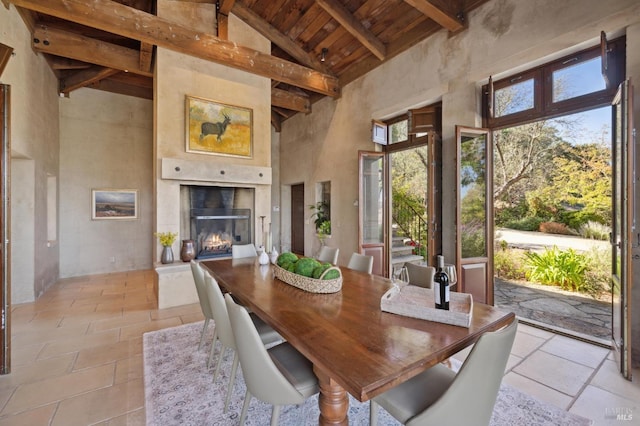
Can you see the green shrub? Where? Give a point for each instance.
(509, 264)
(575, 219)
(563, 268)
(525, 224)
(598, 275)
(594, 231)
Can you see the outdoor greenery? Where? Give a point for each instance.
(322, 217)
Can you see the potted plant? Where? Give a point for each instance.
(321, 220)
(166, 241)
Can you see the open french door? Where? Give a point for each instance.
(372, 209)
(5, 226)
(623, 226)
(474, 213)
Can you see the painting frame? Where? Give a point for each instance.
(114, 204)
(217, 128)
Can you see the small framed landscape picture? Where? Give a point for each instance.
(217, 128)
(114, 204)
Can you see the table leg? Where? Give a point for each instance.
(333, 401)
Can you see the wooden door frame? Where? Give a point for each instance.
(5, 227)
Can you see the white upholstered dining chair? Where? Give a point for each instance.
(198, 278)
(266, 334)
(420, 275)
(361, 262)
(279, 375)
(328, 254)
(243, 250)
(434, 397)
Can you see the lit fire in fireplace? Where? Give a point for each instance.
(215, 243)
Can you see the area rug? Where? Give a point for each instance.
(179, 390)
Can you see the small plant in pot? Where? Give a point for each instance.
(321, 219)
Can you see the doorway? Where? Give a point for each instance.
(297, 219)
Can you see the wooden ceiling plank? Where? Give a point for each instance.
(112, 86)
(353, 26)
(146, 55)
(441, 16)
(305, 20)
(276, 37)
(284, 99)
(226, 6)
(70, 45)
(85, 78)
(128, 22)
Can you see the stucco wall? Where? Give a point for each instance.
(106, 141)
(178, 75)
(34, 147)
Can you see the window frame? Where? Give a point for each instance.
(544, 107)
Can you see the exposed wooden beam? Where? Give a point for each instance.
(226, 6)
(441, 16)
(116, 18)
(85, 78)
(6, 3)
(115, 86)
(353, 26)
(70, 45)
(146, 54)
(285, 43)
(276, 121)
(282, 98)
(59, 63)
(223, 26)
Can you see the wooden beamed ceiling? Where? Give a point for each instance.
(318, 46)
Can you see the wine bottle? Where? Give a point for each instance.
(441, 286)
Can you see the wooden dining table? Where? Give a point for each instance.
(354, 346)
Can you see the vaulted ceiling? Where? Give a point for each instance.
(318, 46)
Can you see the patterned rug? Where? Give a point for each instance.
(179, 390)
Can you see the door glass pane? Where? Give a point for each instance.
(473, 196)
(577, 80)
(398, 132)
(514, 98)
(372, 199)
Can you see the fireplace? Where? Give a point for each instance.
(219, 217)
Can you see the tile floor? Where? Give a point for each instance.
(77, 359)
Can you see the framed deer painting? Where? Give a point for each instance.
(217, 128)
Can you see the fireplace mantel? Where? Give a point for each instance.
(206, 171)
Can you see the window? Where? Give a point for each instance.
(574, 82)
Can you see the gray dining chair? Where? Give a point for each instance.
(434, 396)
(239, 251)
(361, 262)
(279, 375)
(198, 278)
(221, 318)
(420, 275)
(328, 254)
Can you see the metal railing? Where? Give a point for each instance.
(411, 222)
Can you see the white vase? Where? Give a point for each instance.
(274, 255)
(264, 258)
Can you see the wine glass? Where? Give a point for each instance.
(450, 270)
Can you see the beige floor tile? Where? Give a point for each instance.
(609, 378)
(48, 335)
(176, 311)
(134, 418)
(603, 407)
(75, 318)
(100, 355)
(76, 343)
(558, 373)
(113, 298)
(189, 318)
(513, 361)
(36, 417)
(525, 328)
(21, 355)
(537, 390)
(100, 405)
(525, 344)
(129, 369)
(40, 370)
(59, 388)
(127, 318)
(137, 330)
(576, 351)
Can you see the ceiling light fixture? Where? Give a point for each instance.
(323, 56)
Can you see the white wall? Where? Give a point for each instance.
(106, 142)
(34, 143)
